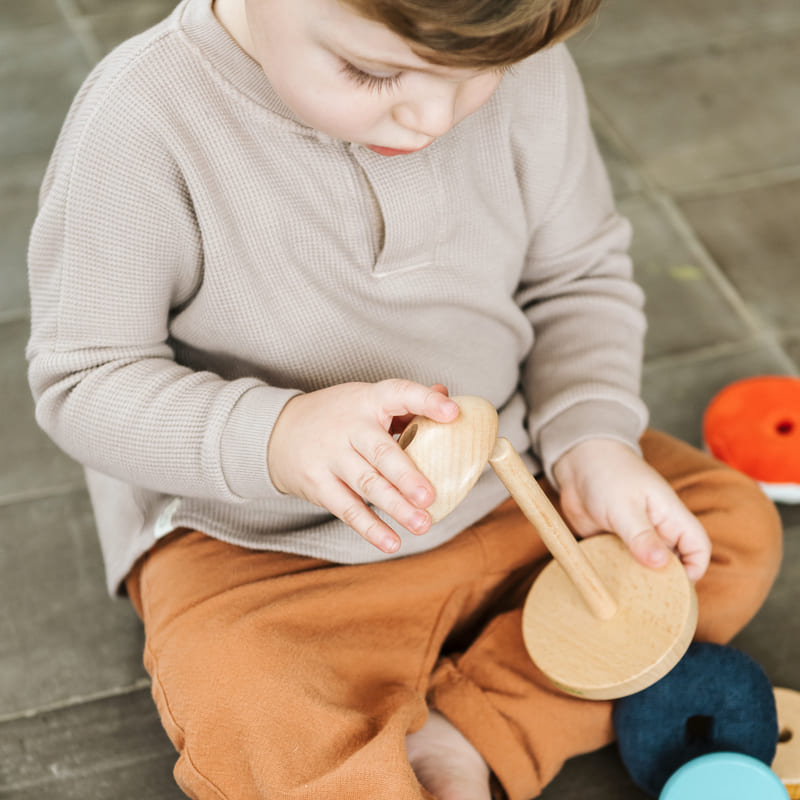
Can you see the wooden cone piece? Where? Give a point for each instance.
(452, 456)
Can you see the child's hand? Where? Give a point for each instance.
(334, 448)
(605, 486)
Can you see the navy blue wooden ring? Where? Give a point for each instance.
(715, 699)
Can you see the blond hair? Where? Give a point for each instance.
(478, 33)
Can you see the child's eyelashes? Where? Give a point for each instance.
(378, 83)
(374, 83)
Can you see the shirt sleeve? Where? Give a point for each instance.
(582, 377)
(114, 252)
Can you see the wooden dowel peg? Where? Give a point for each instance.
(557, 537)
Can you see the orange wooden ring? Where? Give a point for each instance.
(753, 425)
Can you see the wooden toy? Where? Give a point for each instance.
(724, 776)
(787, 758)
(716, 699)
(596, 622)
(754, 426)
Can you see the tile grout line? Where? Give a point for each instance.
(649, 187)
(740, 183)
(722, 349)
(759, 329)
(79, 700)
(28, 495)
(775, 176)
(77, 24)
(729, 42)
(14, 315)
(57, 776)
(666, 202)
(698, 250)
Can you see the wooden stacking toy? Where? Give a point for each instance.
(715, 700)
(724, 776)
(787, 758)
(596, 622)
(754, 426)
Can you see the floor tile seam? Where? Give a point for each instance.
(602, 122)
(790, 333)
(687, 234)
(41, 493)
(732, 42)
(15, 315)
(735, 184)
(649, 188)
(763, 339)
(78, 23)
(75, 701)
(86, 771)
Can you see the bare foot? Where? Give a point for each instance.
(445, 763)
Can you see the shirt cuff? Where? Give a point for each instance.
(245, 438)
(598, 419)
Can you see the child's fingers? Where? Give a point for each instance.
(383, 453)
(345, 504)
(696, 563)
(636, 529)
(399, 397)
(648, 548)
(681, 530)
(692, 544)
(400, 423)
(675, 527)
(377, 488)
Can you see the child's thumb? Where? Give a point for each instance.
(645, 544)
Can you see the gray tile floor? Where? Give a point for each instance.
(697, 108)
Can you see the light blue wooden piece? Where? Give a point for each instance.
(724, 776)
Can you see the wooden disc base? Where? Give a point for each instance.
(603, 659)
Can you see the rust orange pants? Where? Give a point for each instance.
(278, 676)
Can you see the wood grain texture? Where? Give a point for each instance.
(557, 537)
(452, 456)
(786, 764)
(601, 659)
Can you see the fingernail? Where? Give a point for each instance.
(421, 497)
(390, 544)
(419, 521)
(450, 408)
(659, 557)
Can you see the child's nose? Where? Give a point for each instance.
(432, 115)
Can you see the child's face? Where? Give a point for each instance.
(354, 79)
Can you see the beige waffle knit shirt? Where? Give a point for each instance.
(200, 256)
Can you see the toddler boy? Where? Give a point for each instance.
(272, 231)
